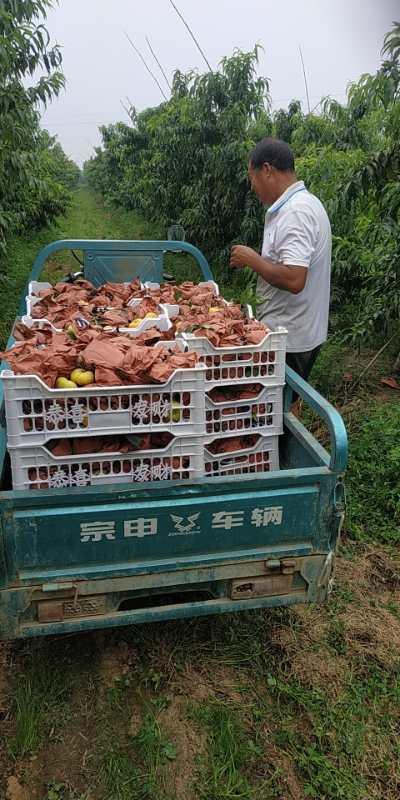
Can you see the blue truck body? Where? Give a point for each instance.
(124, 554)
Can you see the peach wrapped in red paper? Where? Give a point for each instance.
(145, 306)
(224, 328)
(59, 303)
(224, 394)
(232, 444)
(108, 444)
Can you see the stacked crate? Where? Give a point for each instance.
(37, 416)
(199, 418)
(257, 418)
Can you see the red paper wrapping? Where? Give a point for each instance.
(116, 360)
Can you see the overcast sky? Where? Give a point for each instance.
(340, 40)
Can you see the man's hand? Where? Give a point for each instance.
(289, 278)
(242, 256)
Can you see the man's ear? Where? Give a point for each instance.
(267, 169)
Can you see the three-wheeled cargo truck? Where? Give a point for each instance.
(125, 552)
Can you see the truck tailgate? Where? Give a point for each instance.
(130, 533)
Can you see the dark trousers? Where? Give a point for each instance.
(302, 363)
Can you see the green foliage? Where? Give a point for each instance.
(230, 754)
(35, 174)
(134, 774)
(327, 373)
(38, 694)
(373, 480)
(350, 157)
(61, 791)
(329, 762)
(186, 162)
(286, 122)
(121, 778)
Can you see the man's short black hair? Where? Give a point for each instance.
(274, 152)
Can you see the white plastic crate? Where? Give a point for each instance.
(34, 287)
(39, 324)
(261, 363)
(33, 299)
(262, 457)
(35, 413)
(36, 468)
(161, 322)
(263, 413)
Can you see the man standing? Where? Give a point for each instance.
(295, 262)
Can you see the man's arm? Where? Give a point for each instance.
(290, 278)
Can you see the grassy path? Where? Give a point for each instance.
(280, 705)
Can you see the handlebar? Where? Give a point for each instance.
(119, 247)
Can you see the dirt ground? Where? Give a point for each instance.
(106, 684)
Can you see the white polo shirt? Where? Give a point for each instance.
(297, 232)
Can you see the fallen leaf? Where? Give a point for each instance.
(15, 791)
(391, 382)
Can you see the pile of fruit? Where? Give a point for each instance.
(92, 356)
(77, 446)
(81, 302)
(224, 326)
(91, 350)
(201, 310)
(184, 294)
(87, 346)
